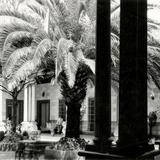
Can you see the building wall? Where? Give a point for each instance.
(52, 93)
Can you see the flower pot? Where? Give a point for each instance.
(61, 155)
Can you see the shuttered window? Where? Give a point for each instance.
(62, 109)
(91, 114)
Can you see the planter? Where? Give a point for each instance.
(61, 155)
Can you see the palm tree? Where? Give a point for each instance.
(21, 44)
(74, 97)
(24, 46)
(59, 27)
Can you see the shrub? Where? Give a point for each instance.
(67, 144)
(9, 142)
(12, 137)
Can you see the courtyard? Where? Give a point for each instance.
(9, 155)
(79, 79)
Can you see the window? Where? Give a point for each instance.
(62, 109)
(91, 114)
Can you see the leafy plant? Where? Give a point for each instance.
(67, 144)
(8, 126)
(12, 137)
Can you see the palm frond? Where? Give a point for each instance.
(14, 68)
(15, 57)
(91, 64)
(39, 36)
(62, 7)
(38, 9)
(44, 46)
(13, 37)
(62, 55)
(13, 27)
(22, 72)
(18, 15)
(49, 60)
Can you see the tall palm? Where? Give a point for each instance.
(23, 45)
(60, 25)
(74, 97)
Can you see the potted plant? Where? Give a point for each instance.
(9, 142)
(65, 148)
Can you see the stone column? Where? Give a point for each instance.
(25, 111)
(1, 103)
(103, 77)
(33, 118)
(30, 101)
(133, 77)
(2, 128)
(29, 123)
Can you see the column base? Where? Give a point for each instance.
(99, 145)
(29, 126)
(132, 150)
(2, 127)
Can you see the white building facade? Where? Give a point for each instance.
(44, 103)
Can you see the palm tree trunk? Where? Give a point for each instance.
(150, 131)
(14, 117)
(73, 120)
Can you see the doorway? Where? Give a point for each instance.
(19, 111)
(43, 113)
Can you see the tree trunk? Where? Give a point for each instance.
(73, 120)
(150, 131)
(14, 116)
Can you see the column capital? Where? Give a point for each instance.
(30, 82)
